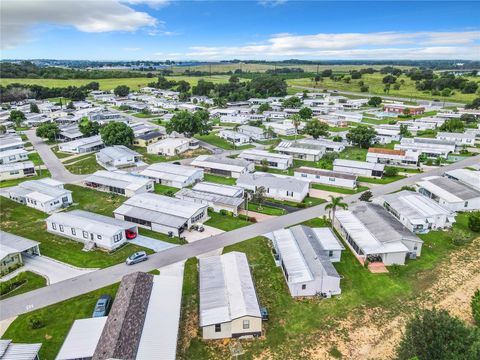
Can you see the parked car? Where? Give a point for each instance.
(137, 257)
(102, 307)
(198, 227)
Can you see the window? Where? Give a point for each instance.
(304, 286)
(85, 235)
(304, 175)
(246, 324)
(73, 231)
(218, 327)
(116, 237)
(61, 228)
(330, 253)
(466, 203)
(54, 226)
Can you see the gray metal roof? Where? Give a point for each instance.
(466, 176)
(227, 291)
(12, 244)
(207, 196)
(218, 162)
(38, 186)
(170, 171)
(119, 180)
(220, 189)
(300, 147)
(13, 351)
(267, 180)
(323, 172)
(358, 164)
(115, 152)
(259, 155)
(455, 188)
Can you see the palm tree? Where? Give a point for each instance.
(335, 202)
(296, 123)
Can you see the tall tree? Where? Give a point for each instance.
(117, 133)
(48, 130)
(316, 128)
(89, 128)
(335, 202)
(296, 121)
(189, 124)
(305, 113)
(34, 108)
(362, 136)
(122, 90)
(17, 117)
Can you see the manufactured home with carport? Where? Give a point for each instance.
(162, 214)
(118, 182)
(178, 176)
(273, 160)
(326, 177)
(12, 250)
(223, 166)
(359, 168)
(305, 256)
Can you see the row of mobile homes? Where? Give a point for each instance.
(392, 157)
(418, 213)
(276, 186)
(305, 256)
(162, 214)
(216, 196)
(178, 176)
(374, 235)
(228, 301)
(119, 183)
(326, 177)
(223, 166)
(272, 160)
(359, 168)
(46, 195)
(92, 229)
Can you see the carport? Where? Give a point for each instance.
(13, 248)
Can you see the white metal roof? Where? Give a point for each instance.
(13, 351)
(298, 147)
(82, 339)
(217, 162)
(258, 155)
(227, 291)
(12, 244)
(220, 189)
(118, 179)
(40, 190)
(358, 164)
(116, 152)
(273, 181)
(92, 222)
(468, 177)
(170, 172)
(160, 329)
(17, 166)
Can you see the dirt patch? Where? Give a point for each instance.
(375, 333)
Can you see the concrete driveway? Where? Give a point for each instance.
(192, 236)
(150, 243)
(54, 271)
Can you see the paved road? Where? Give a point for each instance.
(73, 287)
(387, 97)
(54, 165)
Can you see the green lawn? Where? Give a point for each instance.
(265, 209)
(165, 190)
(376, 86)
(321, 164)
(295, 324)
(83, 165)
(35, 158)
(226, 222)
(219, 179)
(153, 158)
(28, 281)
(307, 202)
(160, 236)
(353, 153)
(58, 319)
(30, 223)
(216, 140)
(60, 154)
(40, 175)
(385, 180)
(339, 189)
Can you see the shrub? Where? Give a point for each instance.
(36, 322)
(460, 237)
(390, 171)
(475, 304)
(474, 221)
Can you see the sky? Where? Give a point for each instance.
(225, 30)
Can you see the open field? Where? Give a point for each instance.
(108, 84)
(374, 82)
(57, 320)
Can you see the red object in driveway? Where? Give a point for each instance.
(130, 234)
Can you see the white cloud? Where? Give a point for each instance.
(19, 16)
(271, 3)
(384, 45)
(154, 4)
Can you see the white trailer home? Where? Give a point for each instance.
(432, 148)
(275, 161)
(83, 145)
(117, 157)
(374, 235)
(223, 166)
(305, 256)
(276, 186)
(162, 214)
(13, 156)
(418, 213)
(326, 177)
(118, 182)
(46, 195)
(301, 150)
(392, 157)
(228, 302)
(91, 229)
(178, 176)
(460, 139)
(17, 170)
(172, 146)
(359, 168)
